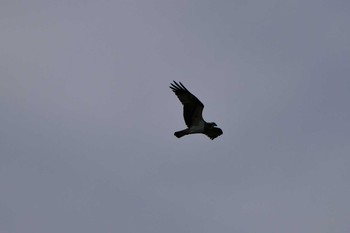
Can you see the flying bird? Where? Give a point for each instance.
(192, 112)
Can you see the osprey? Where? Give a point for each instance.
(192, 113)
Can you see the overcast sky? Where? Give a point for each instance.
(87, 117)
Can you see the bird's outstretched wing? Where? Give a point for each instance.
(193, 107)
(213, 132)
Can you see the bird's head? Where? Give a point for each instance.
(212, 124)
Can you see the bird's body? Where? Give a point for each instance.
(192, 112)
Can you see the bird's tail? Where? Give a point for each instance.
(181, 133)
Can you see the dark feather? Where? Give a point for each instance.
(193, 107)
(213, 132)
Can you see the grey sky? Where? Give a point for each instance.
(87, 118)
